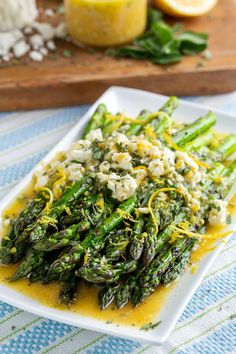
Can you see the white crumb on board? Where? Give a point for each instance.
(21, 34)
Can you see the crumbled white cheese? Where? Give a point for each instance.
(41, 181)
(46, 30)
(7, 41)
(20, 48)
(122, 160)
(51, 45)
(17, 14)
(122, 187)
(121, 139)
(140, 174)
(156, 168)
(183, 157)
(49, 12)
(36, 41)
(17, 22)
(95, 134)
(36, 56)
(81, 155)
(143, 210)
(218, 213)
(193, 178)
(103, 178)
(104, 167)
(43, 51)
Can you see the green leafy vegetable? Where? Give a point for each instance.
(162, 43)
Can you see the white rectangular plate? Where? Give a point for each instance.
(130, 101)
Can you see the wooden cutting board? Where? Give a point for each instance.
(82, 77)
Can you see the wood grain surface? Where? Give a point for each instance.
(82, 77)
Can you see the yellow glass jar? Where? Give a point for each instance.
(104, 23)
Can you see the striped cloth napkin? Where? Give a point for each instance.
(207, 325)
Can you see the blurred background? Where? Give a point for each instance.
(55, 53)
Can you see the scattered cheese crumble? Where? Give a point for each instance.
(21, 34)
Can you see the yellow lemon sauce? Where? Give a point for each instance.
(103, 23)
(86, 302)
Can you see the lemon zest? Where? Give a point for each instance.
(48, 220)
(200, 163)
(67, 210)
(86, 258)
(140, 167)
(213, 236)
(194, 268)
(100, 204)
(151, 200)
(13, 250)
(150, 133)
(136, 120)
(125, 215)
(51, 197)
(56, 185)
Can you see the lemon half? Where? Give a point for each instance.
(185, 8)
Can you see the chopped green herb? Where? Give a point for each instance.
(60, 9)
(52, 57)
(228, 219)
(149, 325)
(66, 53)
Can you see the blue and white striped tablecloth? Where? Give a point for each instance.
(207, 326)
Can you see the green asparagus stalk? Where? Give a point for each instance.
(193, 130)
(137, 241)
(64, 238)
(32, 261)
(151, 278)
(93, 240)
(159, 124)
(68, 291)
(27, 216)
(106, 295)
(101, 271)
(96, 120)
(200, 141)
(50, 217)
(117, 244)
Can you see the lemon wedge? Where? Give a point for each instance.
(185, 8)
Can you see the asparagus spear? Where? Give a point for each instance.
(204, 139)
(151, 278)
(71, 235)
(137, 241)
(40, 273)
(27, 216)
(226, 148)
(106, 295)
(32, 261)
(68, 290)
(96, 120)
(64, 238)
(101, 271)
(177, 268)
(93, 240)
(161, 123)
(71, 193)
(192, 130)
(117, 244)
